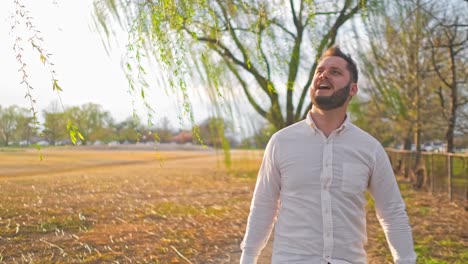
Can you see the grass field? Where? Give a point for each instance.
(89, 206)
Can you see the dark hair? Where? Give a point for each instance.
(336, 51)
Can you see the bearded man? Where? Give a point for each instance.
(313, 178)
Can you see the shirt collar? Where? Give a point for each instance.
(343, 126)
(311, 123)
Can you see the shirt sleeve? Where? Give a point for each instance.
(264, 206)
(391, 210)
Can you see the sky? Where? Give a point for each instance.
(85, 71)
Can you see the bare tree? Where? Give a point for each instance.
(398, 67)
(448, 48)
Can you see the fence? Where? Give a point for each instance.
(438, 173)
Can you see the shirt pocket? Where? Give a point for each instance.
(355, 178)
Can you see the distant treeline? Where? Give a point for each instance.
(18, 127)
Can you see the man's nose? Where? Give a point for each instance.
(323, 75)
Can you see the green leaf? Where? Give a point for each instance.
(43, 59)
(55, 86)
(74, 132)
(39, 149)
(80, 135)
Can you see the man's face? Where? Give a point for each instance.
(332, 85)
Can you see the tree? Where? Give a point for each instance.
(448, 47)
(260, 138)
(265, 50)
(213, 132)
(91, 120)
(416, 66)
(397, 68)
(25, 128)
(164, 132)
(127, 130)
(404, 85)
(55, 127)
(12, 123)
(55, 123)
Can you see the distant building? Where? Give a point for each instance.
(183, 137)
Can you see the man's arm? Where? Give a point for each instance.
(264, 206)
(391, 210)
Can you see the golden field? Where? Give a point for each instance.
(80, 205)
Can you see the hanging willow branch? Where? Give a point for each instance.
(22, 18)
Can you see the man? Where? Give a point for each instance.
(313, 178)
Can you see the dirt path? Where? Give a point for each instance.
(439, 230)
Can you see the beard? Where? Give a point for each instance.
(330, 102)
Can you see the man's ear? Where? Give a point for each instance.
(354, 89)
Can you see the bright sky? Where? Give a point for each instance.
(85, 72)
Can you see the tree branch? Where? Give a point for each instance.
(264, 57)
(266, 85)
(276, 23)
(293, 67)
(434, 63)
(293, 11)
(245, 88)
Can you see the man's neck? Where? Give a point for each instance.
(329, 120)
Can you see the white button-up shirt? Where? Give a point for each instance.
(313, 187)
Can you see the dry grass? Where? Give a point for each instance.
(126, 207)
(439, 229)
(160, 207)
